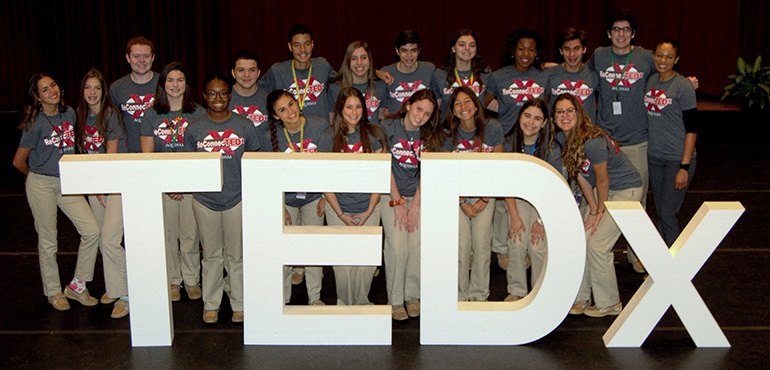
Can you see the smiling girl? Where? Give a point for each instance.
(357, 71)
(413, 129)
(47, 134)
(470, 131)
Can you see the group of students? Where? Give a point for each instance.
(303, 105)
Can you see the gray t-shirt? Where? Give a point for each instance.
(622, 173)
(406, 148)
(50, 139)
(665, 102)
(407, 84)
(133, 100)
(552, 155)
(314, 89)
(356, 202)
(168, 129)
(252, 107)
(581, 84)
(493, 136)
(373, 101)
(96, 143)
(231, 137)
(624, 82)
(512, 88)
(315, 136)
(444, 92)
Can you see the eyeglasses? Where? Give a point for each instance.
(566, 112)
(619, 29)
(213, 94)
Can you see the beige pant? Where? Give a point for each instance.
(637, 154)
(183, 257)
(475, 236)
(519, 250)
(353, 282)
(222, 241)
(500, 220)
(402, 256)
(110, 221)
(305, 215)
(44, 195)
(599, 276)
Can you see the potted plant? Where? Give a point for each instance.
(751, 85)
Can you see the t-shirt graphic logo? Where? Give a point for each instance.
(372, 103)
(476, 87)
(251, 112)
(307, 147)
(313, 91)
(616, 77)
(522, 91)
(469, 146)
(585, 166)
(137, 104)
(404, 90)
(93, 139)
(354, 148)
(63, 136)
(173, 131)
(577, 88)
(226, 142)
(404, 151)
(655, 100)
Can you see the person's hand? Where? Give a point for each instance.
(385, 76)
(479, 206)
(362, 217)
(412, 220)
(321, 207)
(401, 216)
(286, 217)
(176, 196)
(100, 198)
(468, 210)
(537, 233)
(516, 228)
(681, 179)
(348, 220)
(592, 222)
(694, 81)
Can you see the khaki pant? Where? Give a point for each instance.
(475, 236)
(305, 215)
(637, 154)
(402, 256)
(183, 257)
(44, 195)
(221, 235)
(110, 221)
(519, 250)
(500, 220)
(599, 276)
(353, 282)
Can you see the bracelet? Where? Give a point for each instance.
(399, 202)
(465, 201)
(340, 215)
(685, 167)
(485, 201)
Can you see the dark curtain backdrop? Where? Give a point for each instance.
(66, 38)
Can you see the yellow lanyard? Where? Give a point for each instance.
(301, 136)
(460, 82)
(302, 97)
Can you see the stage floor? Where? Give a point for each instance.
(733, 165)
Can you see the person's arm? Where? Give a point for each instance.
(682, 176)
(20, 160)
(147, 143)
(363, 216)
(493, 105)
(112, 146)
(385, 76)
(400, 210)
(588, 196)
(516, 228)
(602, 194)
(413, 216)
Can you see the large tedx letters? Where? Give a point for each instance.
(268, 245)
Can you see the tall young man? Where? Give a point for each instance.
(135, 92)
(409, 74)
(247, 99)
(572, 76)
(305, 77)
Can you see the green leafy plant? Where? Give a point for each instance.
(751, 85)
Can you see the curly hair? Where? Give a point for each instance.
(573, 152)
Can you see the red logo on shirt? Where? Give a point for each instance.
(252, 113)
(93, 140)
(137, 104)
(655, 100)
(313, 91)
(307, 147)
(404, 90)
(407, 152)
(615, 75)
(522, 91)
(221, 141)
(577, 88)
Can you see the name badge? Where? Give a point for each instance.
(617, 108)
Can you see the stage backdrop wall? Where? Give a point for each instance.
(67, 38)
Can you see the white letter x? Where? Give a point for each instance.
(671, 272)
